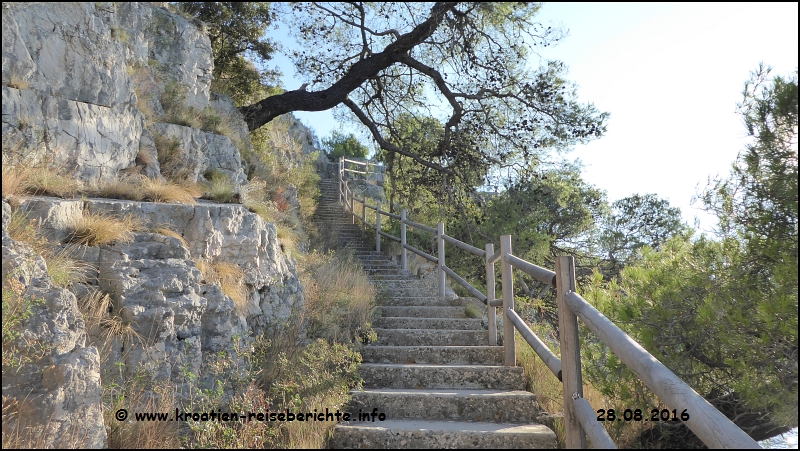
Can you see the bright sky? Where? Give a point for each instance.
(670, 76)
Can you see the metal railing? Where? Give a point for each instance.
(713, 428)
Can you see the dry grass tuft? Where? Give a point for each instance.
(141, 188)
(230, 277)
(44, 181)
(340, 301)
(141, 434)
(64, 269)
(15, 178)
(21, 229)
(159, 191)
(220, 188)
(94, 229)
(16, 80)
(121, 188)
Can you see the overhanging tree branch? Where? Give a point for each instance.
(267, 109)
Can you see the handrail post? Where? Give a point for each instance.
(378, 228)
(570, 352)
(352, 205)
(346, 195)
(364, 216)
(508, 302)
(341, 177)
(440, 258)
(490, 295)
(403, 255)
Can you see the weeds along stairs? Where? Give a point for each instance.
(431, 371)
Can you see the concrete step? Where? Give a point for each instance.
(428, 323)
(431, 337)
(409, 301)
(501, 406)
(426, 434)
(439, 355)
(397, 375)
(401, 289)
(383, 264)
(423, 311)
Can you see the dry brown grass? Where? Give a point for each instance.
(340, 301)
(230, 277)
(94, 229)
(63, 268)
(121, 188)
(21, 229)
(219, 188)
(16, 80)
(135, 397)
(158, 191)
(15, 178)
(46, 181)
(140, 188)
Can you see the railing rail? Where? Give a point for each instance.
(711, 426)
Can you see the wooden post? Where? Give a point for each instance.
(353, 205)
(364, 217)
(570, 352)
(490, 295)
(507, 276)
(345, 195)
(440, 258)
(341, 177)
(378, 228)
(403, 255)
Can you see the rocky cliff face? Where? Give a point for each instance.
(92, 88)
(77, 77)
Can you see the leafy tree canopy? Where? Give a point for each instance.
(723, 314)
(341, 145)
(467, 60)
(637, 221)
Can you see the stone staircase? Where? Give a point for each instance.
(431, 371)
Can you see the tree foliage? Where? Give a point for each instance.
(341, 145)
(236, 31)
(723, 314)
(468, 60)
(637, 221)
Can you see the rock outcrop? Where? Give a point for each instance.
(50, 378)
(97, 89)
(77, 75)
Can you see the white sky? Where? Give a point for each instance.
(669, 75)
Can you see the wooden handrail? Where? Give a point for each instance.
(708, 423)
(391, 237)
(391, 215)
(550, 359)
(362, 163)
(422, 254)
(711, 426)
(420, 226)
(537, 272)
(464, 246)
(474, 291)
(588, 419)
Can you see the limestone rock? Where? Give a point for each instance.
(53, 384)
